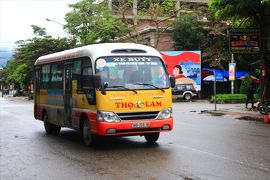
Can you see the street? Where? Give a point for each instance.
(201, 146)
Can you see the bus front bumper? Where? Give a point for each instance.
(133, 127)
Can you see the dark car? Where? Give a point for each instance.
(185, 91)
(5, 90)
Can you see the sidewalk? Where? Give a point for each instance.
(238, 111)
(19, 98)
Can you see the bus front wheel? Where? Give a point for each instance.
(88, 137)
(151, 137)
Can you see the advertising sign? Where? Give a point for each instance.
(231, 71)
(185, 66)
(219, 76)
(244, 41)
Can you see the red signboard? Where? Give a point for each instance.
(244, 41)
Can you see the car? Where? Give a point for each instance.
(5, 90)
(185, 91)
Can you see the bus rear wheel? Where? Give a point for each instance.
(88, 137)
(49, 127)
(151, 137)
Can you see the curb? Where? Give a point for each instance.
(237, 115)
(17, 98)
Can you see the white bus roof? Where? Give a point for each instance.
(95, 51)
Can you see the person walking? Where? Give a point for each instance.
(250, 95)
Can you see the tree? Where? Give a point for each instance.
(148, 19)
(186, 33)
(160, 15)
(93, 22)
(195, 28)
(252, 12)
(19, 70)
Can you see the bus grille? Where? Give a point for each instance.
(138, 115)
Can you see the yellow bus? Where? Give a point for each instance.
(108, 89)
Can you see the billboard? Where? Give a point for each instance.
(244, 41)
(185, 66)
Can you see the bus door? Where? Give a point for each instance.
(37, 80)
(67, 93)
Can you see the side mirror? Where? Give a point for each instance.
(103, 87)
(172, 80)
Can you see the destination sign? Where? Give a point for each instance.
(132, 59)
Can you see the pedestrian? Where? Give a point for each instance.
(250, 95)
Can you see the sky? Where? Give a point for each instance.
(17, 16)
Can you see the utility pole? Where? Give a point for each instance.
(232, 81)
(135, 11)
(215, 90)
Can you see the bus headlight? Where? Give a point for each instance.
(107, 117)
(165, 113)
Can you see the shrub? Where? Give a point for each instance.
(230, 98)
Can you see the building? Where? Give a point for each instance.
(149, 28)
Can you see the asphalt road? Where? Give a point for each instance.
(201, 146)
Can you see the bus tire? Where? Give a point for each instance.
(48, 126)
(88, 137)
(151, 137)
(56, 129)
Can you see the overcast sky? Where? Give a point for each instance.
(17, 16)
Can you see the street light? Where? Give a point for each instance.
(73, 38)
(55, 22)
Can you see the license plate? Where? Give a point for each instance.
(140, 125)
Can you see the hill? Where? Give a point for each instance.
(5, 55)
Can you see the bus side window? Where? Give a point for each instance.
(57, 76)
(82, 72)
(76, 72)
(87, 80)
(45, 76)
(87, 74)
(37, 80)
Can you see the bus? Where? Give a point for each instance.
(110, 89)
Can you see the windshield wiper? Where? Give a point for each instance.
(123, 87)
(145, 84)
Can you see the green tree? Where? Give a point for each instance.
(197, 29)
(93, 22)
(19, 70)
(186, 33)
(160, 15)
(255, 13)
(157, 14)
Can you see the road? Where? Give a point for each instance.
(201, 146)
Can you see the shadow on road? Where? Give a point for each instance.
(72, 138)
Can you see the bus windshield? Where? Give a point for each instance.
(126, 72)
